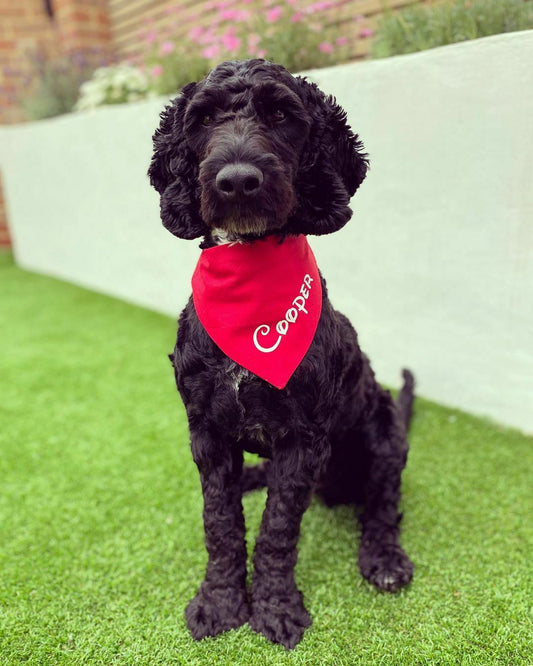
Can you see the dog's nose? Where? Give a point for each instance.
(238, 180)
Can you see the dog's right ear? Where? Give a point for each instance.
(173, 171)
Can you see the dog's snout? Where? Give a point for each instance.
(239, 180)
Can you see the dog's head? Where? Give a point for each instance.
(252, 149)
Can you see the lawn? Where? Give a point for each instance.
(101, 541)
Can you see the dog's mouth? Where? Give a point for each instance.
(246, 225)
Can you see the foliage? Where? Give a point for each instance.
(113, 85)
(53, 85)
(426, 26)
(285, 32)
(172, 65)
(281, 33)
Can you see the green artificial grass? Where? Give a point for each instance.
(101, 539)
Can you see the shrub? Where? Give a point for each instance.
(53, 86)
(281, 33)
(171, 65)
(427, 26)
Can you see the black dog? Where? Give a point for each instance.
(247, 153)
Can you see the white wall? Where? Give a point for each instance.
(436, 267)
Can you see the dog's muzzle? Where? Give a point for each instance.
(246, 187)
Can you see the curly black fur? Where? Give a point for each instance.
(333, 430)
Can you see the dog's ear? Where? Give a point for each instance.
(332, 167)
(173, 171)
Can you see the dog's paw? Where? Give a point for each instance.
(282, 619)
(386, 566)
(214, 610)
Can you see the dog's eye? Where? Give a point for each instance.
(277, 115)
(206, 120)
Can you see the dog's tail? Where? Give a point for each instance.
(405, 400)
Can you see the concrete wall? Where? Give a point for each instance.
(436, 267)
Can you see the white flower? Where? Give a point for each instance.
(118, 83)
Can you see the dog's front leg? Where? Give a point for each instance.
(221, 602)
(277, 606)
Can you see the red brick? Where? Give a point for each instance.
(5, 239)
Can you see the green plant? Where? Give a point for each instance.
(53, 85)
(169, 70)
(426, 26)
(281, 33)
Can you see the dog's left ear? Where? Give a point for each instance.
(332, 167)
(173, 171)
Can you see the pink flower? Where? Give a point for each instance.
(156, 70)
(230, 41)
(236, 15)
(211, 51)
(261, 53)
(297, 17)
(150, 36)
(196, 32)
(208, 37)
(341, 41)
(318, 7)
(366, 32)
(325, 47)
(274, 14)
(166, 48)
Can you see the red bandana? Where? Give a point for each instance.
(260, 303)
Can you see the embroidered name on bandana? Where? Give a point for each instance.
(260, 303)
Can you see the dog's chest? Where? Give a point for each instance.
(236, 375)
(255, 425)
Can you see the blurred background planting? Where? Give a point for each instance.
(425, 26)
(74, 55)
(300, 38)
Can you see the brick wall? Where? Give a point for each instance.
(24, 29)
(30, 29)
(83, 24)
